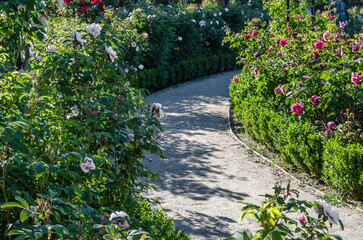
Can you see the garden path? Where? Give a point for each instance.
(207, 171)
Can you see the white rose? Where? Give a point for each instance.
(94, 29)
(77, 36)
(60, 4)
(112, 53)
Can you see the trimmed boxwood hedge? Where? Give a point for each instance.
(159, 78)
(339, 164)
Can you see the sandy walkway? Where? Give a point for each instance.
(207, 171)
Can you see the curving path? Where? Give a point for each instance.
(207, 170)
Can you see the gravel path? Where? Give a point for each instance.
(207, 171)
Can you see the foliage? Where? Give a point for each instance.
(300, 86)
(343, 167)
(73, 139)
(19, 22)
(175, 36)
(277, 216)
(156, 222)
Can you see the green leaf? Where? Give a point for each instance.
(341, 225)
(113, 230)
(23, 202)
(337, 237)
(61, 230)
(56, 215)
(11, 204)
(21, 237)
(24, 215)
(16, 232)
(276, 235)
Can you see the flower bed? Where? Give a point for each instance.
(300, 92)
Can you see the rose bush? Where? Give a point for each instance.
(74, 136)
(295, 93)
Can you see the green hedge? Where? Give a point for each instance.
(343, 167)
(339, 164)
(296, 143)
(160, 78)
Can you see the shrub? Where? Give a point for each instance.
(299, 86)
(277, 222)
(343, 167)
(73, 139)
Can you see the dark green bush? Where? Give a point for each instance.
(296, 143)
(156, 79)
(343, 167)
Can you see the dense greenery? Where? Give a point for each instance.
(300, 92)
(74, 131)
(277, 216)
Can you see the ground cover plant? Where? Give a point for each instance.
(300, 93)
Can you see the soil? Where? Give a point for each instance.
(207, 170)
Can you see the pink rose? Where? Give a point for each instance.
(338, 36)
(257, 54)
(315, 99)
(341, 25)
(355, 48)
(326, 35)
(283, 42)
(330, 125)
(315, 55)
(247, 36)
(279, 90)
(255, 72)
(302, 220)
(297, 108)
(319, 45)
(254, 34)
(355, 78)
(300, 85)
(331, 17)
(235, 79)
(339, 52)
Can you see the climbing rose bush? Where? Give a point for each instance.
(74, 136)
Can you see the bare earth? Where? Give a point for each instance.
(207, 171)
